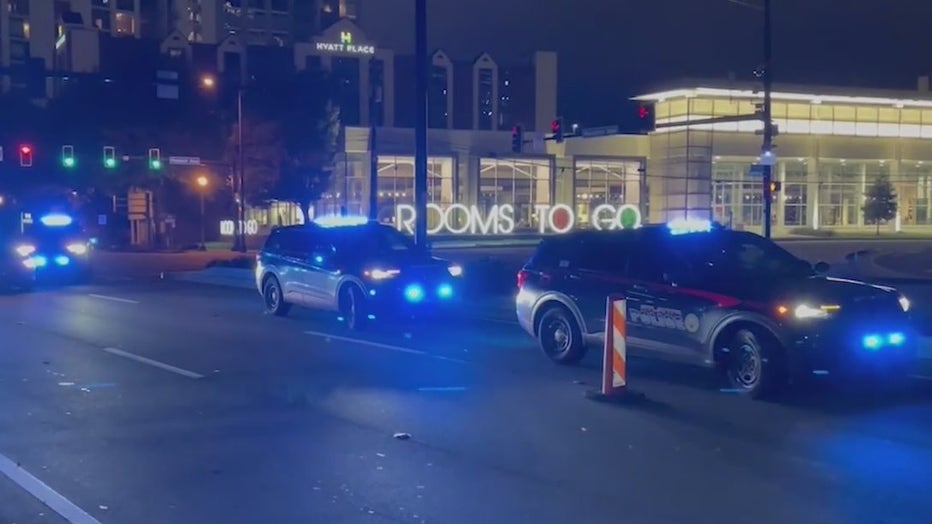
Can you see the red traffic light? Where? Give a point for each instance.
(555, 126)
(643, 112)
(25, 150)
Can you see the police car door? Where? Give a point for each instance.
(663, 316)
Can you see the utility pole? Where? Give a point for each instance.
(239, 243)
(420, 126)
(375, 97)
(767, 156)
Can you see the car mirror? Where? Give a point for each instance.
(821, 267)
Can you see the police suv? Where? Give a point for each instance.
(700, 294)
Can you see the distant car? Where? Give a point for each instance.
(712, 297)
(362, 270)
(59, 249)
(17, 268)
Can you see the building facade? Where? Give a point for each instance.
(31, 31)
(832, 146)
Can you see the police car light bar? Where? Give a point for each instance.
(339, 220)
(56, 220)
(682, 226)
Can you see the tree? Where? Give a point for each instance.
(290, 136)
(880, 203)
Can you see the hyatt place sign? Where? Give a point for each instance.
(346, 45)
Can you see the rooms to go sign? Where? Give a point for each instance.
(460, 219)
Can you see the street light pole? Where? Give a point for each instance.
(203, 223)
(767, 155)
(239, 243)
(420, 129)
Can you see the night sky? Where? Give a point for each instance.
(613, 49)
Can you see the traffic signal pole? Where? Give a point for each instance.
(767, 155)
(420, 126)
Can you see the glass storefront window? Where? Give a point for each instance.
(519, 182)
(841, 193)
(396, 183)
(737, 198)
(795, 194)
(600, 182)
(914, 193)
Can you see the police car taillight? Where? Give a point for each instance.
(522, 277)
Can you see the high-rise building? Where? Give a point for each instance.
(32, 33)
(261, 22)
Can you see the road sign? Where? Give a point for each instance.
(184, 160)
(757, 170)
(600, 131)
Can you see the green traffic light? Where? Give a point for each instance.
(109, 162)
(68, 162)
(156, 164)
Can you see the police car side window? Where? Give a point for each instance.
(655, 264)
(602, 256)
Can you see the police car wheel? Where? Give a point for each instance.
(353, 308)
(274, 300)
(560, 337)
(752, 367)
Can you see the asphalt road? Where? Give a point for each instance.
(155, 402)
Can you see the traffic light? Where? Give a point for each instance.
(775, 187)
(556, 127)
(517, 139)
(25, 155)
(67, 156)
(110, 161)
(155, 159)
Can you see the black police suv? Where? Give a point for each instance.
(716, 298)
(58, 248)
(362, 270)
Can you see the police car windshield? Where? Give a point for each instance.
(374, 239)
(741, 256)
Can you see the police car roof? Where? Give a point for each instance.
(645, 232)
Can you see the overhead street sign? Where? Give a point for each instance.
(184, 160)
(600, 131)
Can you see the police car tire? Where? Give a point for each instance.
(281, 308)
(576, 349)
(771, 369)
(358, 319)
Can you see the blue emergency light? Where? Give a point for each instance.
(340, 221)
(681, 226)
(56, 220)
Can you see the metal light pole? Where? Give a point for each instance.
(239, 243)
(375, 96)
(420, 126)
(767, 148)
(202, 184)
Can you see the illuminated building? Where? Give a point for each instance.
(833, 144)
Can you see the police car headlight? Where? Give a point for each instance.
(382, 274)
(806, 311)
(77, 248)
(904, 303)
(24, 250)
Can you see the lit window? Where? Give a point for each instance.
(125, 24)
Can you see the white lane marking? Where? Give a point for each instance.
(496, 320)
(48, 496)
(921, 377)
(442, 389)
(154, 363)
(380, 345)
(113, 299)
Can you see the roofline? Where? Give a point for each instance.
(791, 93)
